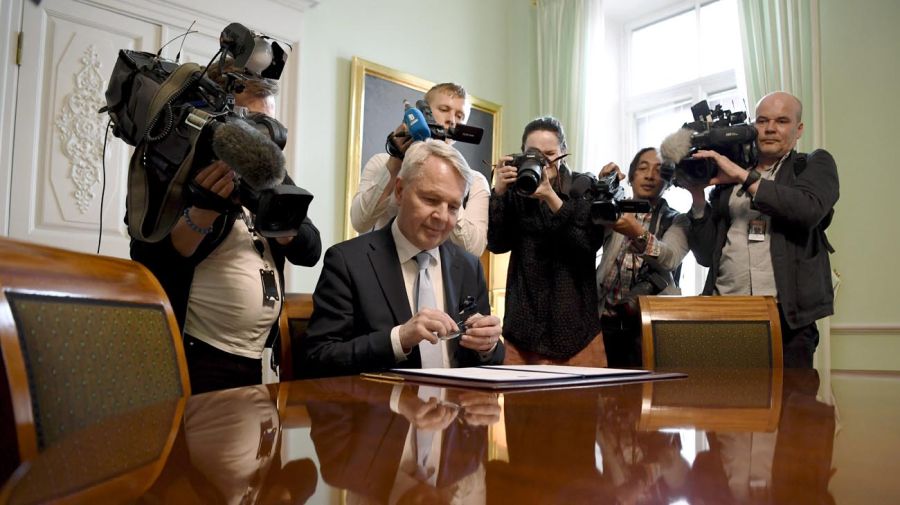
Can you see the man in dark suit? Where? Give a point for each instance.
(383, 298)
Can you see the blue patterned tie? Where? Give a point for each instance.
(430, 353)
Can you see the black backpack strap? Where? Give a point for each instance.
(144, 223)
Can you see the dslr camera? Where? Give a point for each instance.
(530, 168)
(179, 120)
(609, 202)
(728, 133)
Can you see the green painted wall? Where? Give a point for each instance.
(489, 47)
(860, 76)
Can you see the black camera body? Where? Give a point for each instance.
(530, 168)
(728, 133)
(176, 116)
(649, 280)
(431, 128)
(609, 202)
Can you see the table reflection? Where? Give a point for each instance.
(393, 443)
(739, 437)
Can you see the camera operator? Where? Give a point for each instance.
(762, 231)
(639, 258)
(551, 297)
(217, 271)
(374, 205)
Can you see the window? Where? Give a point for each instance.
(674, 60)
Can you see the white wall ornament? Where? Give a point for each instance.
(81, 128)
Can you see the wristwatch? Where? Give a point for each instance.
(642, 238)
(752, 177)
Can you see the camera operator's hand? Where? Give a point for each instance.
(504, 175)
(628, 225)
(610, 168)
(423, 326)
(217, 178)
(482, 333)
(544, 191)
(401, 140)
(729, 171)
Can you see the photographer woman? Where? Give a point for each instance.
(551, 298)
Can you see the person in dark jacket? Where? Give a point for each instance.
(220, 274)
(551, 296)
(763, 230)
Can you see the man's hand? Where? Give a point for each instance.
(610, 168)
(629, 226)
(482, 333)
(729, 171)
(423, 326)
(401, 140)
(504, 175)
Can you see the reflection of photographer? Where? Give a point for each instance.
(374, 205)
(224, 280)
(550, 295)
(639, 258)
(762, 232)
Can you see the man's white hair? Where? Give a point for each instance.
(418, 152)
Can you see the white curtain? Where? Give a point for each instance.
(565, 37)
(781, 46)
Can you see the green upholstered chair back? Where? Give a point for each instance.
(710, 332)
(84, 338)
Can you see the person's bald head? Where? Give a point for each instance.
(783, 96)
(778, 125)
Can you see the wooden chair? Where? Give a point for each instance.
(84, 338)
(710, 332)
(292, 323)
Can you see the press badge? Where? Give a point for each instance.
(270, 287)
(756, 231)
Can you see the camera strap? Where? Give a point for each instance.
(144, 223)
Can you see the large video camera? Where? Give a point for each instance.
(609, 202)
(723, 131)
(420, 122)
(180, 120)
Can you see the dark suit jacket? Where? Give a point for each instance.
(360, 297)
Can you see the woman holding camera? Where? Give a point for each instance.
(551, 298)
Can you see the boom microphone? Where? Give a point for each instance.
(251, 154)
(676, 146)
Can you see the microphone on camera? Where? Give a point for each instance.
(676, 146)
(251, 154)
(416, 123)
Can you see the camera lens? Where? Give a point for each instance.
(528, 176)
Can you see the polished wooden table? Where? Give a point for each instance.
(719, 436)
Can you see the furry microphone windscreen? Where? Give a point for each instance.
(250, 153)
(676, 146)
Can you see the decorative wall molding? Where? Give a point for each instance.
(81, 129)
(866, 329)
